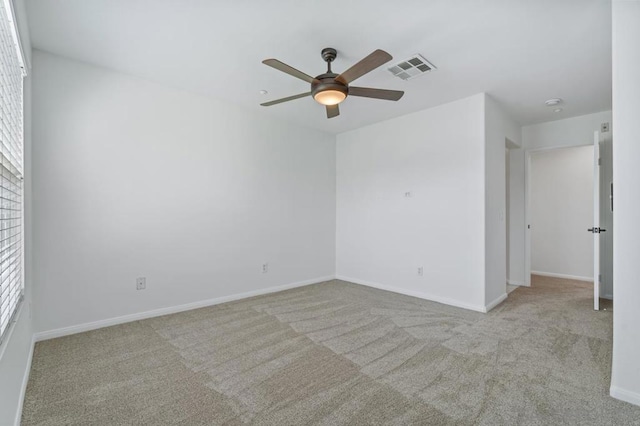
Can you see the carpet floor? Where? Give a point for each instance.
(337, 353)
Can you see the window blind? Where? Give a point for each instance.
(11, 169)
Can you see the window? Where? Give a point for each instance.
(11, 169)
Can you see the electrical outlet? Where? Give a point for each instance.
(265, 267)
(141, 283)
(408, 194)
(420, 271)
(604, 127)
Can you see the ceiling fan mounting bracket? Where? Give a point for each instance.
(329, 54)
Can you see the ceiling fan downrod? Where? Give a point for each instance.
(329, 54)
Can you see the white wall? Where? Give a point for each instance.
(625, 380)
(575, 131)
(134, 179)
(561, 206)
(15, 351)
(498, 128)
(382, 236)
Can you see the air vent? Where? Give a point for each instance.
(412, 67)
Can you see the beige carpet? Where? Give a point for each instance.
(339, 354)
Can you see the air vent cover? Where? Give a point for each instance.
(412, 67)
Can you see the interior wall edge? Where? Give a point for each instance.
(498, 300)
(563, 276)
(418, 294)
(624, 395)
(15, 365)
(25, 381)
(94, 325)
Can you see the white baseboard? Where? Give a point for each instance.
(25, 381)
(496, 302)
(80, 328)
(419, 295)
(625, 395)
(565, 276)
(518, 283)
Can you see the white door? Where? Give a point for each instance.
(596, 221)
(606, 216)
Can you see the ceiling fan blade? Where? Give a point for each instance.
(371, 62)
(333, 111)
(368, 92)
(287, 99)
(281, 66)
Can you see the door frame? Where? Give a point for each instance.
(596, 220)
(527, 206)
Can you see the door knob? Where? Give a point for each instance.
(596, 230)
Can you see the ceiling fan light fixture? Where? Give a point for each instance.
(329, 97)
(327, 91)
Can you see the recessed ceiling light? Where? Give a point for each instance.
(263, 92)
(557, 110)
(553, 102)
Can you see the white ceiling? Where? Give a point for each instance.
(521, 52)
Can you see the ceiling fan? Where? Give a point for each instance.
(330, 89)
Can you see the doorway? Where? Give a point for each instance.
(569, 191)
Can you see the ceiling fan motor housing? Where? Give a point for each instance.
(328, 81)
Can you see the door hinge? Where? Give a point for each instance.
(599, 161)
(600, 277)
